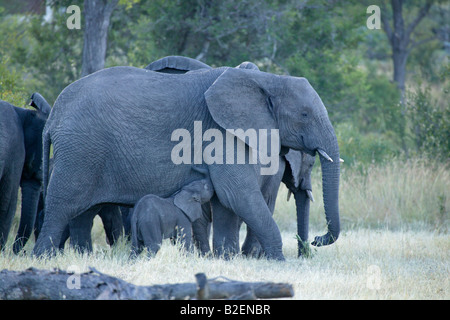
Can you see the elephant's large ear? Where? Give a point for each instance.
(189, 203)
(242, 99)
(176, 64)
(294, 159)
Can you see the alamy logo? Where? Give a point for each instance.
(191, 151)
(73, 281)
(74, 20)
(374, 21)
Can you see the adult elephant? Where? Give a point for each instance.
(20, 165)
(294, 171)
(112, 133)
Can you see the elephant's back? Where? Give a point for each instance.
(124, 89)
(130, 102)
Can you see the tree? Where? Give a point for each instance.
(97, 14)
(400, 37)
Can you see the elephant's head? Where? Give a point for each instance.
(250, 99)
(192, 196)
(298, 173)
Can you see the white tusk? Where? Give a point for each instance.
(341, 160)
(289, 195)
(324, 154)
(310, 195)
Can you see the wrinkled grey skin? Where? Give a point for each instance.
(296, 175)
(20, 165)
(155, 218)
(201, 227)
(89, 117)
(79, 229)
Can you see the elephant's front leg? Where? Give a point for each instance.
(238, 190)
(225, 230)
(251, 246)
(201, 230)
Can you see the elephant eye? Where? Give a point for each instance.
(304, 114)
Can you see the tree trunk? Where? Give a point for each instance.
(400, 39)
(97, 14)
(399, 57)
(34, 284)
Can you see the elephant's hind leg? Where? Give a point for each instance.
(59, 210)
(80, 230)
(57, 215)
(8, 203)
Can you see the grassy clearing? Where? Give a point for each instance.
(398, 195)
(394, 243)
(363, 264)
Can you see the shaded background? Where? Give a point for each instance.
(386, 90)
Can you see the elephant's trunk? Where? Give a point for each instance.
(330, 185)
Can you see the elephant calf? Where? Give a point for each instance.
(155, 218)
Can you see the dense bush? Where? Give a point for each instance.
(430, 124)
(11, 87)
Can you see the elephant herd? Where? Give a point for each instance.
(123, 150)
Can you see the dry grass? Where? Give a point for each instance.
(410, 194)
(363, 264)
(394, 244)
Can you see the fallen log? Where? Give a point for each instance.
(35, 284)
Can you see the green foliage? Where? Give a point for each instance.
(357, 148)
(47, 54)
(383, 110)
(325, 41)
(430, 124)
(11, 87)
(52, 54)
(222, 32)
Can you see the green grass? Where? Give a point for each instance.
(394, 243)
